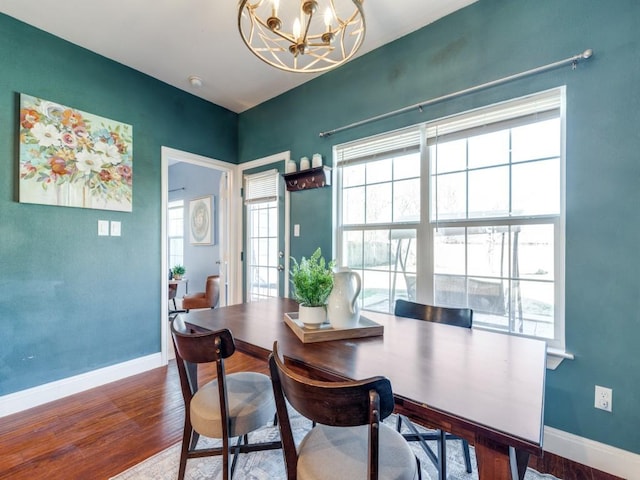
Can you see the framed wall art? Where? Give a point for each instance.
(73, 158)
(201, 221)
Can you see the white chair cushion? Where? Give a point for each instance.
(339, 453)
(251, 405)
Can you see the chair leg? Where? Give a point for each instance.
(467, 455)
(195, 436)
(419, 468)
(186, 441)
(236, 451)
(442, 455)
(416, 436)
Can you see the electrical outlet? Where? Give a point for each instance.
(604, 397)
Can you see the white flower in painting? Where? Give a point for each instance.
(50, 109)
(89, 161)
(47, 135)
(109, 153)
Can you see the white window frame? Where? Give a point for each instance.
(425, 229)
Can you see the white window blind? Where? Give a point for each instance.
(261, 187)
(521, 111)
(381, 147)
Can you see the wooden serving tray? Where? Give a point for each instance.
(365, 328)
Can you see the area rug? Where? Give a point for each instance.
(269, 465)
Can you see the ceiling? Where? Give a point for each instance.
(174, 39)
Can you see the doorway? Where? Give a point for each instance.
(192, 182)
(265, 229)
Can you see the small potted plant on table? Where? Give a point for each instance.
(312, 281)
(178, 272)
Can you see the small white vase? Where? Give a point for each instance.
(312, 317)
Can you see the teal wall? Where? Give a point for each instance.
(72, 301)
(485, 41)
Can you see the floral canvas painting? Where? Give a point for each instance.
(73, 158)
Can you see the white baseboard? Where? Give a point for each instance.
(593, 454)
(33, 397)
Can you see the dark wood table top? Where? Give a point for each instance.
(470, 382)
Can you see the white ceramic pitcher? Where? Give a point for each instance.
(343, 310)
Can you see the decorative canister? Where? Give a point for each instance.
(316, 160)
(291, 166)
(304, 163)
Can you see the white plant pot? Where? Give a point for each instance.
(312, 317)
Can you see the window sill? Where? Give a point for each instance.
(556, 356)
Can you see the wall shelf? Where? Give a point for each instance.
(308, 179)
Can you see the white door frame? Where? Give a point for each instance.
(225, 234)
(238, 212)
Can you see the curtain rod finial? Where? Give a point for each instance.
(587, 53)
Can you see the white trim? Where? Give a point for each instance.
(167, 154)
(33, 397)
(600, 456)
(556, 356)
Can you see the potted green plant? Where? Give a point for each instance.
(312, 281)
(178, 272)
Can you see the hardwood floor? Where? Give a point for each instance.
(99, 433)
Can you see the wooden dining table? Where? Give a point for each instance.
(483, 386)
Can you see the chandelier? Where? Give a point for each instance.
(303, 36)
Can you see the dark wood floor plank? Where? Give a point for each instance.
(102, 432)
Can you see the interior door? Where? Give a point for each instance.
(265, 253)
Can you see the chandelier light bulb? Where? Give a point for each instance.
(327, 19)
(296, 29)
(274, 7)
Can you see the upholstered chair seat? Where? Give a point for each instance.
(341, 453)
(251, 405)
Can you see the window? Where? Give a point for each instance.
(176, 232)
(463, 211)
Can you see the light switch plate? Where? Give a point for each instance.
(115, 229)
(103, 228)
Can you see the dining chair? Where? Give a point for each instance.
(207, 299)
(458, 317)
(229, 406)
(349, 440)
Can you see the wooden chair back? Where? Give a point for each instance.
(195, 347)
(459, 317)
(340, 404)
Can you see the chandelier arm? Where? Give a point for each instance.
(306, 30)
(277, 32)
